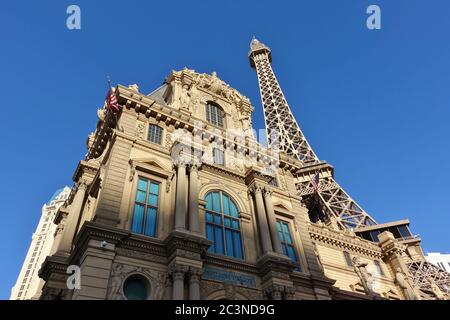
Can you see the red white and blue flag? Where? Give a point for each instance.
(315, 182)
(111, 101)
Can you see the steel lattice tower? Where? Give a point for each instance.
(281, 125)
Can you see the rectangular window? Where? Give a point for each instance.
(154, 133)
(218, 156)
(378, 268)
(145, 207)
(287, 245)
(404, 232)
(348, 259)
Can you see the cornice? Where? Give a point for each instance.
(85, 167)
(51, 265)
(340, 240)
(230, 263)
(143, 104)
(223, 171)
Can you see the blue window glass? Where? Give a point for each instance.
(210, 236)
(135, 288)
(154, 188)
(226, 205)
(234, 210)
(237, 242)
(222, 225)
(150, 224)
(229, 242)
(138, 218)
(145, 208)
(216, 202)
(286, 241)
(208, 200)
(219, 240)
(154, 134)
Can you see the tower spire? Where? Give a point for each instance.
(280, 123)
(282, 126)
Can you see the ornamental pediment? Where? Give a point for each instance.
(188, 88)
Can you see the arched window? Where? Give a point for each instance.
(214, 114)
(222, 225)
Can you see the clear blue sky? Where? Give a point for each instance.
(375, 104)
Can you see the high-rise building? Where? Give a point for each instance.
(176, 199)
(29, 285)
(441, 260)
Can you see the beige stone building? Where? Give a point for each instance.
(176, 199)
(28, 284)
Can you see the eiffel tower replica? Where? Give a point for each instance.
(327, 201)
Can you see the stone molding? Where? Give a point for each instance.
(336, 239)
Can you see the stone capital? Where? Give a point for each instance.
(82, 184)
(195, 274)
(177, 271)
(256, 188)
(194, 167)
(267, 192)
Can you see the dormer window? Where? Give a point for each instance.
(214, 114)
(154, 133)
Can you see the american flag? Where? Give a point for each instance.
(111, 101)
(315, 182)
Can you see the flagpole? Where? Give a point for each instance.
(112, 92)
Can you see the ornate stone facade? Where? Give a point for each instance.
(101, 236)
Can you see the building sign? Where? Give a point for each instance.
(230, 277)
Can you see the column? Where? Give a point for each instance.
(262, 220)
(193, 199)
(58, 235)
(276, 242)
(177, 273)
(70, 226)
(180, 209)
(194, 283)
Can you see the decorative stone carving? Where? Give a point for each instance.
(230, 291)
(116, 282)
(140, 130)
(132, 172)
(53, 294)
(191, 79)
(316, 252)
(227, 291)
(134, 87)
(365, 277)
(407, 287)
(101, 114)
(279, 292)
(120, 272)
